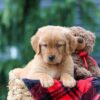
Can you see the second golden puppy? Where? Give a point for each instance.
(53, 46)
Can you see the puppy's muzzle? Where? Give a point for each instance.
(51, 57)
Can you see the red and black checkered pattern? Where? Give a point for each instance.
(86, 89)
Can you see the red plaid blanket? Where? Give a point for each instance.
(86, 89)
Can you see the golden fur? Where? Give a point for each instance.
(51, 41)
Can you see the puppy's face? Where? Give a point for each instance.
(52, 47)
(52, 43)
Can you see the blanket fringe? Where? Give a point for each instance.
(17, 89)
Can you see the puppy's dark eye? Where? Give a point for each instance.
(44, 45)
(58, 45)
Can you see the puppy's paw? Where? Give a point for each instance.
(45, 79)
(69, 82)
(46, 82)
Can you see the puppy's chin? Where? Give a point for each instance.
(52, 62)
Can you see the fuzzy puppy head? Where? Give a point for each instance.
(53, 44)
(87, 39)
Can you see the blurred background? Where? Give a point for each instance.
(19, 20)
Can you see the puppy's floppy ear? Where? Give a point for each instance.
(35, 43)
(72, 43)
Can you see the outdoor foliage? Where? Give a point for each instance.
(20, 19)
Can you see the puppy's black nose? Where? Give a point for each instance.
(51, 57)
(80, 40)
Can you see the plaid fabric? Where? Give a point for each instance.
(86, 89)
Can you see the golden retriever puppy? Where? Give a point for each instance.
(53, 46)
